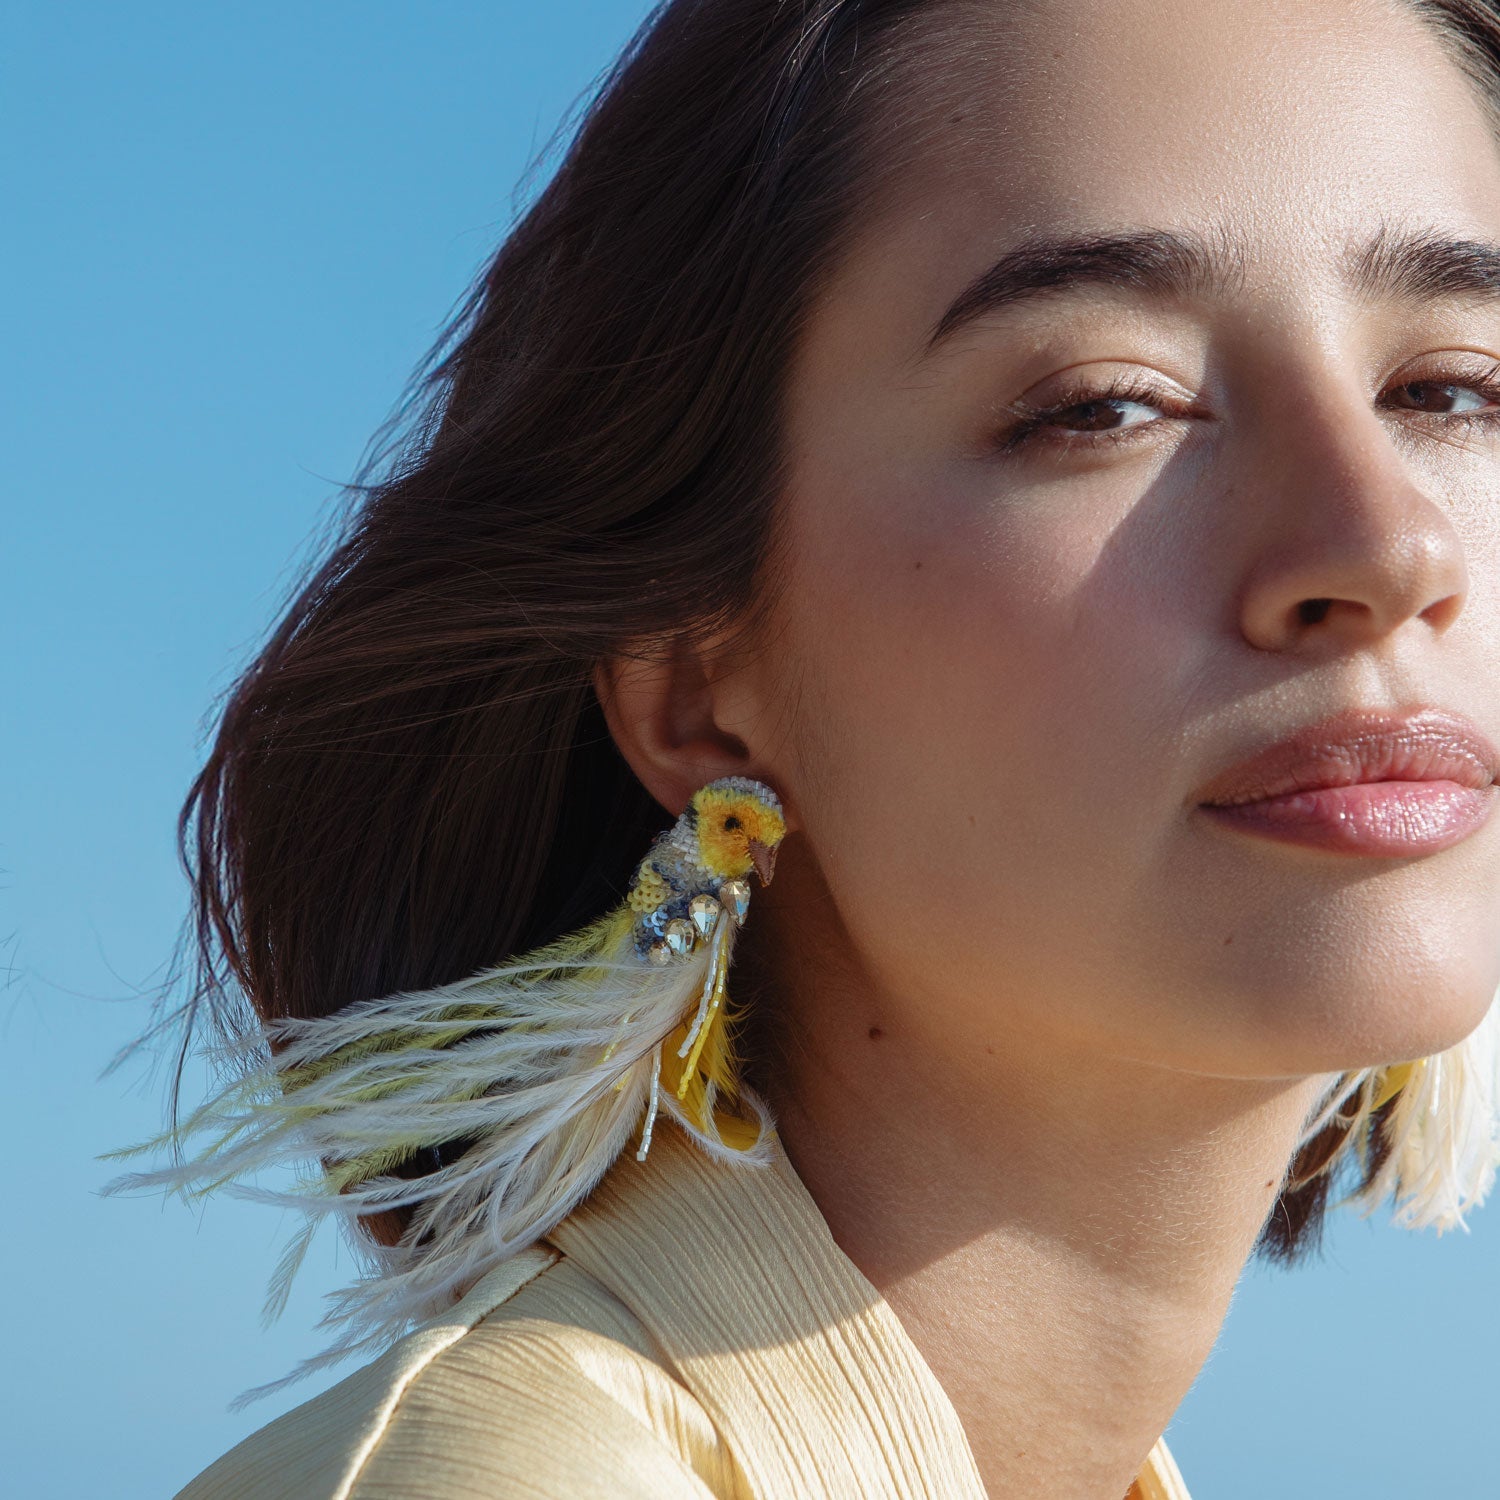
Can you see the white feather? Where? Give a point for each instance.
(546, 1084)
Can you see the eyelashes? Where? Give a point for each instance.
(1443, 390)
(1095, 418)
(1091, 407)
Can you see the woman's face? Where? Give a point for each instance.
(1211, 458)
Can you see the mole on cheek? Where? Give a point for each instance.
(876, 1033)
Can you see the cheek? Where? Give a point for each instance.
(996, 687)
(1472, 498)
(1003, 709)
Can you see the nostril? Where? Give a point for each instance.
(1314, 611)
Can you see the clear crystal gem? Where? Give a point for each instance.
(735, 894)
(680, 935)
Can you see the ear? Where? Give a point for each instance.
(668, 712)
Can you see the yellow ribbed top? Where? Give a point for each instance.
(691, 1332)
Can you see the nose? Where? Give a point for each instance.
(1349, 547)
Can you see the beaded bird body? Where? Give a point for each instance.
(487, 1108)
(699, 857)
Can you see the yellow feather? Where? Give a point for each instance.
(1392, 1080)
(712, 1059)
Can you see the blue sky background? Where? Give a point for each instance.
(231, 232)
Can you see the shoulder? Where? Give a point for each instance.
(539, 1384)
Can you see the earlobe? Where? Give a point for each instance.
(660, 712)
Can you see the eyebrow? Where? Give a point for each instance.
(1165, 264)
(1425, 266)
(1157, 262)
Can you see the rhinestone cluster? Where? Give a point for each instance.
(677, 936)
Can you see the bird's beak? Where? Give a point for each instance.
(763, 856)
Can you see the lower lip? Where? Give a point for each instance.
(1373, 818)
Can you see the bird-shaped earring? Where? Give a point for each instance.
(517, 1087)
(692, 891)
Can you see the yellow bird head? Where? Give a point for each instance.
(738, 824)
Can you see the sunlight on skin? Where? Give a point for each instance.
(1064, 1020)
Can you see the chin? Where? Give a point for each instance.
(1325, 1016)
(1332, 967)
(1395, 1023)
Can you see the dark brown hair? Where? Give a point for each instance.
(413, 779)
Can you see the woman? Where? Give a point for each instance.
(1048, 455)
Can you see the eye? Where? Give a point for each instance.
(731, 822)
(1453, 400)
(1444, 398)
(1103, 415)
(1119, 411)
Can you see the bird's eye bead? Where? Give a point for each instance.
(734, 895)
(731, 822)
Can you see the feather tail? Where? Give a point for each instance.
(533, 1073)
(701, 1064)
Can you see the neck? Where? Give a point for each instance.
(1059, 1233)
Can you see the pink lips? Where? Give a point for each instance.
(1364, 782)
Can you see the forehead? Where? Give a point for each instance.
(1290, 130)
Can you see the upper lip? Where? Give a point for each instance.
(1360, 745)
